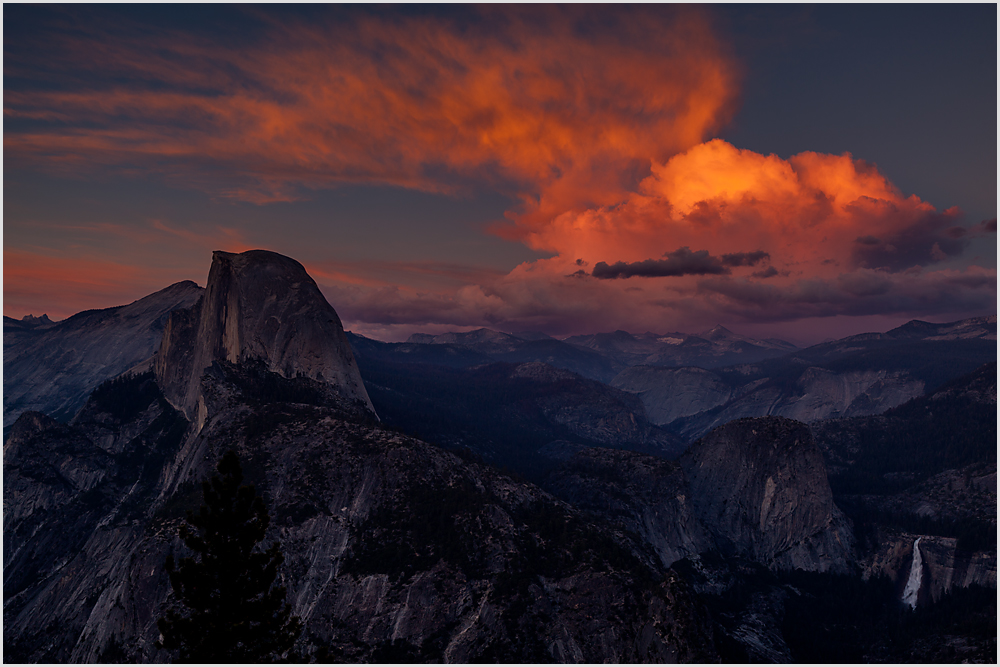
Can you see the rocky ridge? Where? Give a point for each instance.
(52, 368)
(856, 376)
(710, 349)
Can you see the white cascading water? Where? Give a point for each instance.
(913, 583)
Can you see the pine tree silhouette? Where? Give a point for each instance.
(234, 613)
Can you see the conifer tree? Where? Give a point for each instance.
(233, 612)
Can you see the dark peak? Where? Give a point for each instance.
(28, 322)
(257, 305)
(183, 285)
(484, 334)
(618, 335)
(464, 338)
(718, 332)
(258, 260)
(531, 335)
(973, 327)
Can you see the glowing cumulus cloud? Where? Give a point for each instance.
(599, 126)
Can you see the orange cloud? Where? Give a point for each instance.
(599, 132)
(718, 234)
(541, 100)
(813, 214)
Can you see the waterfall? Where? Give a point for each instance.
(913, 583)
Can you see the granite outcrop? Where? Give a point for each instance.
(259, 306)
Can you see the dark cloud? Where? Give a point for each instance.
(981, 229)
(931, 238)
(681, 262)
(705, 215)
(745, 258)
(863, 292)
(974, 281)
(769, 272)
(868, 283)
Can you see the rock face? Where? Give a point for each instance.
(52, 368)
(760, 487)
(389, 542)
(945, 567)
(856, 376)
(671, 393)
(816, 394)
(754, 489)
(258, 305)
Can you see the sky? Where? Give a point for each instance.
(802, 172)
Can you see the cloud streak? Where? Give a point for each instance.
(680, 262)
(538, 100)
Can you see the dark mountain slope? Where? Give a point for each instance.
(391, 545)
(506, 412)
(497, 346)
(710, 349)
(952, 427)
(52, 369)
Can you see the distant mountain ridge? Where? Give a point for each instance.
(28, 322)
(494, 346)
(710, 349)
(860, 375)
(619, 349)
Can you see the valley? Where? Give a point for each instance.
(484, 496)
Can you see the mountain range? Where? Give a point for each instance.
(485, 496)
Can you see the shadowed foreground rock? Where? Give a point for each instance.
(388, 542)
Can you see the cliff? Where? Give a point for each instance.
(262, 306)
(944, 566)
(759, 485)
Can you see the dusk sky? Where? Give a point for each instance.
(803, 172)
